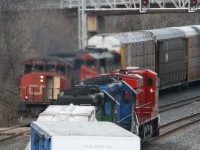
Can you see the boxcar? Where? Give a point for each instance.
(192, 34)
(170, 56)
(136, 48)
(161, 50)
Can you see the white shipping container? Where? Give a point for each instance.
(68, 113)
(82, 136)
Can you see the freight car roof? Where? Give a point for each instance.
(196, 27)
(189, 31)
(72, 128)
(132, 37)
(166, 33)
(114, 41)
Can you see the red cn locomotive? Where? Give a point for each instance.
(44, 77)
(145, 117)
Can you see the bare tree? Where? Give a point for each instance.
(149, 21)
(25, 34)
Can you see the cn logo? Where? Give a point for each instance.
(32, 88)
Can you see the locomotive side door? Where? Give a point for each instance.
(49, 87)
(108, 108)
(52, 87)
(127, 107)
(56, 87)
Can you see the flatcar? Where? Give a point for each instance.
(171, 52)
(45, 77)
(128, 98)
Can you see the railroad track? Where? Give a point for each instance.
(165, 130)
(172, 128)
(13, 127)
(9, 133)
(178, 104)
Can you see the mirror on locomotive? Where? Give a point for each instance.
(150, 82)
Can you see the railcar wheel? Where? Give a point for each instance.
(156, 130)
(142, 133)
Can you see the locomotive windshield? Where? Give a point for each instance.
(39, 67)
(50, 68)
(28, 68)
(60, 69)
(91, 64)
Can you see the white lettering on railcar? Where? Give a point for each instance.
(96, 147)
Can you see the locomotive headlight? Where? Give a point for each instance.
(42, 77)
(26, 98)
(41, 80)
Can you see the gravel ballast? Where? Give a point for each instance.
(187, 140)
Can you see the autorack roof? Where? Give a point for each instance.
(166, 33)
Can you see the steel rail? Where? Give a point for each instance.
(174, 127)
(11, 128)
(13, 135)
(179, 104)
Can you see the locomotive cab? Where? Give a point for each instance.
(138, 109)
(107, 61)
(146, 110)
(43, 79)
(122, 93)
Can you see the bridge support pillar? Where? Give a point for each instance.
(88, 26)
(95, 25)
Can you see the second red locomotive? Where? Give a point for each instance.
(44, 77)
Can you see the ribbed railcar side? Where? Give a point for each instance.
(194, 54)
(171, 52)
(192, 34)
(138, 48)
(171, 56)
